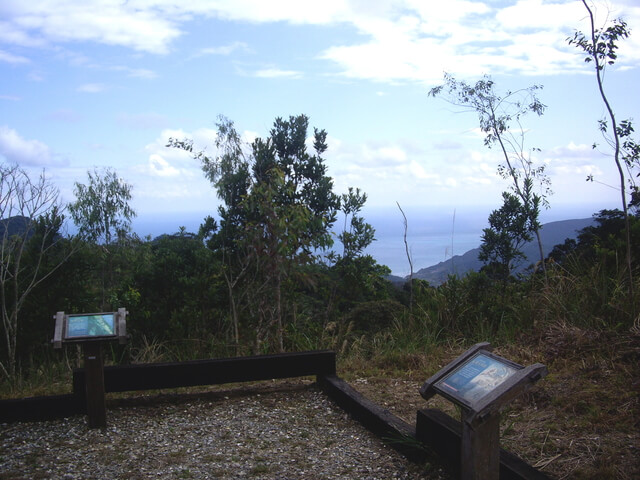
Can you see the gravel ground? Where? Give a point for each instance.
(268, 433)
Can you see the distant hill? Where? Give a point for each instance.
(552, 234)
(15, 226)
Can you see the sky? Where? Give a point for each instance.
(106, 83)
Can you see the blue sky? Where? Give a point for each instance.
(106, 83)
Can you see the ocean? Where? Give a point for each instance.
(434, 234)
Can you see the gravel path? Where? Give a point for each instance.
(272, 433)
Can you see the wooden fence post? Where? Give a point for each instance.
(94, 384)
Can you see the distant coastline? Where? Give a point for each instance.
(433, 236)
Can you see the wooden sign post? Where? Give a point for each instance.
(90, 330)
(94, 385)
(481, 383)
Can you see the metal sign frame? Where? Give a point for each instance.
(69, 329)
(492, 391)
(481, 383)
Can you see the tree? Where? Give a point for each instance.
(600, 46)
(31, 218)
(356, 233)
(352, 275)
(278, 207)
(603, 243)
(180, 288)
(496, 114)
(101, 210)
(510, 227)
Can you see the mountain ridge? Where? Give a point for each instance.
(552, 234)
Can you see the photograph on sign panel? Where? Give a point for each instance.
(90, 326)
(477, 377)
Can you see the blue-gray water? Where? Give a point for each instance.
(434, 234)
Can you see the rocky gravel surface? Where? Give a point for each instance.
(265, 433)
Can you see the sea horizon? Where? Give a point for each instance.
(434, 234)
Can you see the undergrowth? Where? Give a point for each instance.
(581, 421)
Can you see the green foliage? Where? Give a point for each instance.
(497, 113)
(277, 214)
(374, 316)
(600, 46)
(31, 252)
(356, 234)
(101, 210)
(260, 277)
(510, 227)
(179, 289)
(593, 267)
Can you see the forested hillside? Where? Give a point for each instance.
(263, 274)
(551, 234)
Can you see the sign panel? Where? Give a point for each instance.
(476, 377)
(98, 325)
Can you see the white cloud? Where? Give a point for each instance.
(136, 72)
(223, 49)
(171, 178)
(277, 73)
(166, 161)
(412, 174)
(142, 26)
(573, 161)
(569, 166)
(421, 40)
(403, 40)
(13, 34)
(92, 88)
(16, 149)
(13, 59)
(203, 139)
(160, 167)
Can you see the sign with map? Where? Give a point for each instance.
(98, 325)
(476, 377)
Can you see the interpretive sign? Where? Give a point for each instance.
(84, 327)
(91, 330)
(477, 377)
(482, 383)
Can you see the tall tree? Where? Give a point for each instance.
(101, 210)
(102, 213)
(31, 218)
(509, 229)
(497, 113)
(278, 207)
(600, 46)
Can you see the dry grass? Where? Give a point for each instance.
(581, 422)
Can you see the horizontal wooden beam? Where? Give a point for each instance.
(392, 429)
(156, 376)
(37, 409)
(442, 434)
